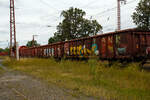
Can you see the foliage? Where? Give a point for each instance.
(74, 25)
(4, 50)
(92, 78)
(1, 50)
(142, 15)
(32, 43)
(51, 40)
(1, 70)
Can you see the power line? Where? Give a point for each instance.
(89, 3)
(106, 16)
(48, 5)
(111, 9)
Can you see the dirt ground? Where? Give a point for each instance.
(18, 86)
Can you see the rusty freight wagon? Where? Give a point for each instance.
(124, 44)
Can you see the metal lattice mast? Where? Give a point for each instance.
(118, 14)
(12, 29)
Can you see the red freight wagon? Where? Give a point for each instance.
(130, 44)
(3, 53)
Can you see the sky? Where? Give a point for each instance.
(34, 16)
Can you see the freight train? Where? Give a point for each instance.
(124, 44)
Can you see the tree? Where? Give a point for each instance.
(51, 40)
(74, 25)
(142, 15)
(4, 50)
(1, 50)
(32, 43)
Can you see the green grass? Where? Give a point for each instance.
(3, 57)
(92, 78)
(1, 70)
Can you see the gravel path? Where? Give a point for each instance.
(17, 86)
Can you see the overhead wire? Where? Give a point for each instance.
(48, 5)
(110, 9)
(88, 4)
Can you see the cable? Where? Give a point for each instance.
(48, 5)
(110, 9)
(88, 4)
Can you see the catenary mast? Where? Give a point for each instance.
(12, 29)
(118, 13)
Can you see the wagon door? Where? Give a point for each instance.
(103, 47)
(148, 44)
(122, 42)
(142, 42)
(137, 47)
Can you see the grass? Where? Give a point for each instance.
(3, 57)
(92, 78)
(1, 70)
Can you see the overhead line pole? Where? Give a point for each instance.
(119, 13)
(33, 40)
(12, 29)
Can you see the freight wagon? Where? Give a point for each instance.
(124, 44)
(4, 53)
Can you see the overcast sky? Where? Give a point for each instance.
(33, 17)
